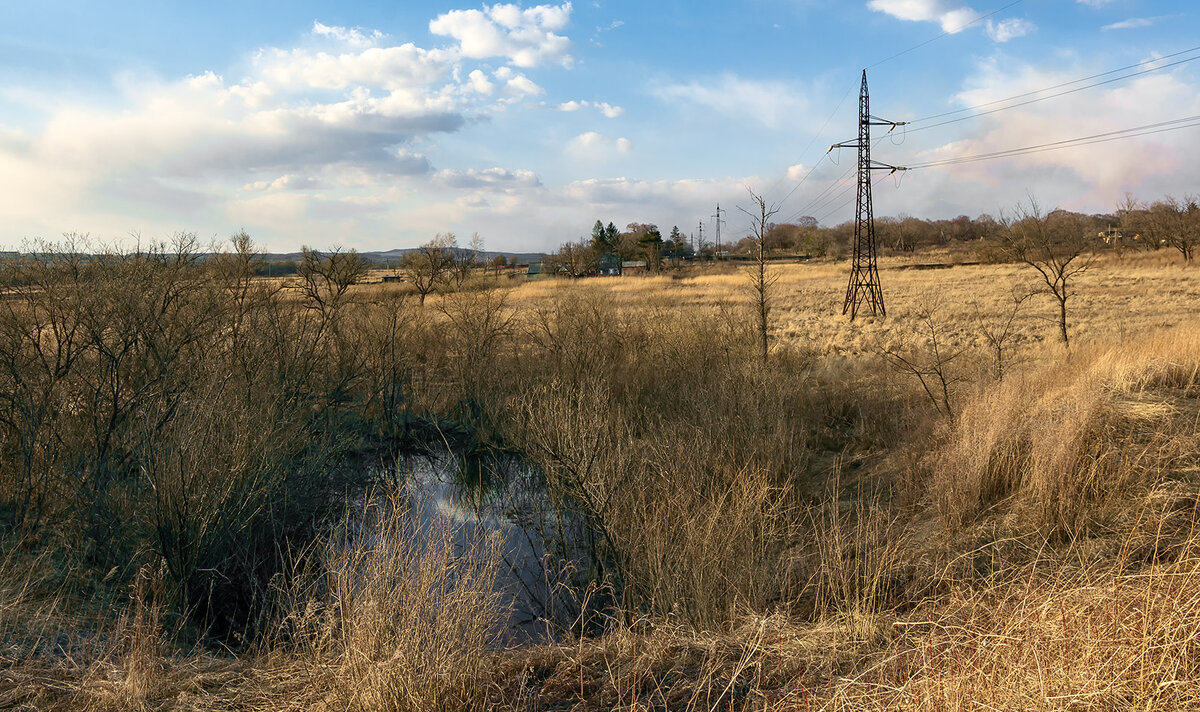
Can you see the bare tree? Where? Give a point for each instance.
(429, 265)
(999, 331)
(1177, 223)
(575, 259)
(930, 361)
(761, 279)
(476, 249)
(1056, 245)
(326, 279)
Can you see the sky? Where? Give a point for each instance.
(376, 125)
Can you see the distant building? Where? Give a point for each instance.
(633, 267)
(389, 278)
(1116, 236)
(608, 265)
(535, 268)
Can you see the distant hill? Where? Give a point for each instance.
(392, 256)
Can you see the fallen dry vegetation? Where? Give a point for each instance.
(817, 533)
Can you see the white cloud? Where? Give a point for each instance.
(595, 145)
(480, 83)
(525, 37)
(354, 37)
(1132, 23)
(797, 171)
(521, 85)
(393, 68)
(307, 139)
(290, 181)
(603, 107)
(1086, 177)
(496, 179)
(767, 102)
(953, 16)
(609, 110)
(1008, 29)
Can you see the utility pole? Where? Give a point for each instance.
(864, 274)
(701, 240)
(719, 221)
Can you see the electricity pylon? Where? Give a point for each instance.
(718, 224)
(864, 274)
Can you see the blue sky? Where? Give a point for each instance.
(375, 125)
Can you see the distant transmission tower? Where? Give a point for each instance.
(864, 275)
(719, 221)
(700, 242)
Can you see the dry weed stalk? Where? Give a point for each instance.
(405, 615)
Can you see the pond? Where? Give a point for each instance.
(504, 499)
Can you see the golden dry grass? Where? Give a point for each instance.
(1036, 551)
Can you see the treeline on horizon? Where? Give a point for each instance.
(1168, 222)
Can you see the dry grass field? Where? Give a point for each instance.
(861, 523)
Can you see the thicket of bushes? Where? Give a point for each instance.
(161, 407)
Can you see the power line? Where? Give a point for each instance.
(817, 202)
(813, 140)
(1147, 129)
(1056, 86)
(841, 101)
(817, 199)
(823, 202)
(977, 20)
(823, 198)
(841, 207)
(1042, 98)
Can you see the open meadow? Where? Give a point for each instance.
(943, 509)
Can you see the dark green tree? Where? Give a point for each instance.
(600, 242)
(651, 243)
(676, 244)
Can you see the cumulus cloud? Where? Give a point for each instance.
(499, 179)
(952, 15)
(521, 85)
(393, 68)
(1009, 29)
(524, 36)
(318, 131)
(797, 171)
(199, 128)
(603, 107)
(479, 82)
(354, 37)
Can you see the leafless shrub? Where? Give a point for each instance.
(1056, 245)
(931, 361)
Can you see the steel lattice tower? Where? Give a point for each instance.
(864, 274)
